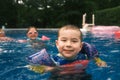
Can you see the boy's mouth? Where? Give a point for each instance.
(68, 50)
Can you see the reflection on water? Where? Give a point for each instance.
(13, 58)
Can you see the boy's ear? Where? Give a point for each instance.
(26, 34)
(56, 42)
(81, 45)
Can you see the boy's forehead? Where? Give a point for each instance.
(69, 32)
(72, 30)
(32, 29)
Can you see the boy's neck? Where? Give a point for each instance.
(72, 58)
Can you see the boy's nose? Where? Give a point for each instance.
(68, 43)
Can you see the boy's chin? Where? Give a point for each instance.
(69, 57)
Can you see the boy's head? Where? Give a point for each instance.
(2, 33)
(69, 41)
(32, 32)
(70, 27)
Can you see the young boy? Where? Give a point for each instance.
(70, 45)
(71, 51)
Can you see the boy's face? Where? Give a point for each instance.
(69, 43)
(32, 33)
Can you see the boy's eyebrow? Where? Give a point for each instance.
(71, 38)
(63, 37)
(75, 39)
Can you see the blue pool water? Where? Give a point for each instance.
(13, 57)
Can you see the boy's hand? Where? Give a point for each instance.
(41, 68)
(100, 62)
(38, 69)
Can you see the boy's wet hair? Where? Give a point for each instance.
(31, 27)
(72, 27)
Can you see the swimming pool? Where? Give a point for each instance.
(13, 56)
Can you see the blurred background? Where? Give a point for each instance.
(55, 13)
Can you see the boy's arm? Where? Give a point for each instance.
(92, 53)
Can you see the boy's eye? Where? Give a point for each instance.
(35, 32)
(74, 41)
(32, 32)
(63, 40)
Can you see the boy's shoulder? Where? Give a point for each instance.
(88, 45)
